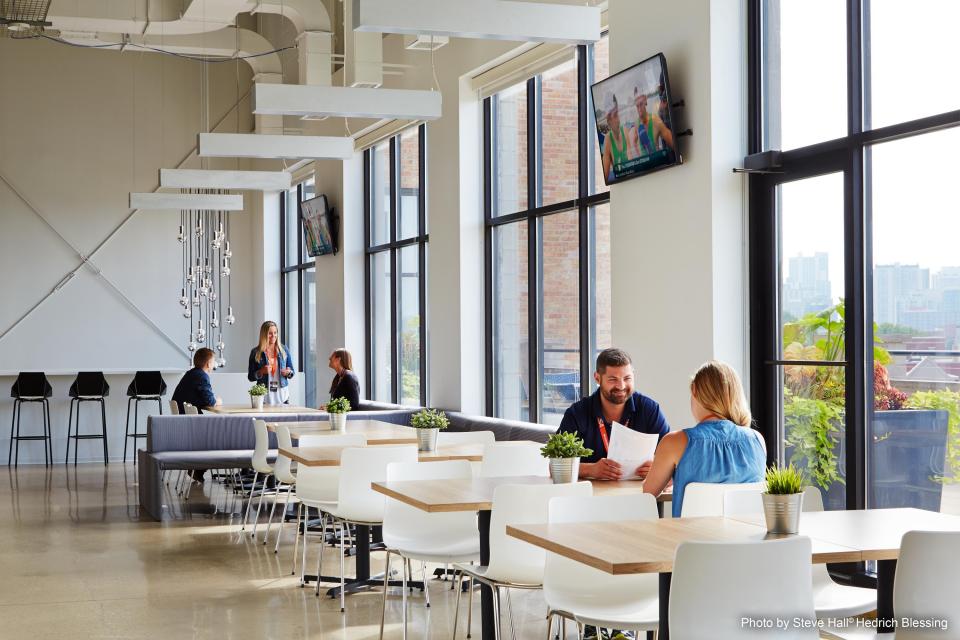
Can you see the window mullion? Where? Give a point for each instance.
(394, 269)
(586, 238)
(535, 337)
(422, 258)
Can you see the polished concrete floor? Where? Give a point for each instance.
(78, 562)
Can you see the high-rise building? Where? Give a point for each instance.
(807, 287)
(897, 289)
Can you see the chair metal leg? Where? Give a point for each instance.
(13, 419)
(405, 563)
(126, 431)
(496, 613)
(469, 605)
(76, 432)
(550, 618)
(343, 586)
(273, 509)
(296, 540)
(286, 505)
(386, 584)
(426, 591)
(103, 417)
(457, 577)
(513, 631)
(66, 457)
(253, 488)
(16, 454)
(47, 431)
(263, 490)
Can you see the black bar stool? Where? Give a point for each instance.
(90, 386)
(31, 387)
(147, 386)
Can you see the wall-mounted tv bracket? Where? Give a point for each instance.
(679, 105)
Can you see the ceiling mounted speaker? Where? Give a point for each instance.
(345, 102)
(187, 201)
(255, 145)
(220, 179)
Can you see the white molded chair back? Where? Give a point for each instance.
(174, 408)
(261, 447)
(567, 582)
(281, 470)
(512, 560)
(319, 485)
(812, 499)
(927, 584)
(359, 467)
(742, 502)
(445, 438)
(513, 459)
(717, 584)
(706, 498)
(406, 528)
(190, 410)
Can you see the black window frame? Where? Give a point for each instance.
(299, 268)
(851, 155)
(582, 204)
(393, 247)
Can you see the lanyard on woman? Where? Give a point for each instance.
(603, 432)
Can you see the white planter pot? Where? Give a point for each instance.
(782, 512)
(256, 402)
(427, 439)
(338, 421)
(564, 470)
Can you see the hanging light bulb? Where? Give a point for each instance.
(221, 362)
(201, 334)
(205, 287)
(225, 270)
(226, 250)
(212, 296)
(230, 319)
(199, 230)
(221, 346)
(196, 299)
(214, 321)
(192, 346)
(184, 301)
(187, 313)
(180, 235)
(190, 276)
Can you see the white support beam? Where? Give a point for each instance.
(274, 147)
(225, 179)
(346, 102)
(191, 201)
(484, 19)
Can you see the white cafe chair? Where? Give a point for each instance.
(702, 499)
(515, 564)
(715, 585)
(261, 467)
(414, 534)
(590, 596)
(513, 459)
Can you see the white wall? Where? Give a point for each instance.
(678, 239)
(79, 129)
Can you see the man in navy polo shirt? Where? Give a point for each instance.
(592, 418)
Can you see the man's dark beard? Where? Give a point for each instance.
(611, 399)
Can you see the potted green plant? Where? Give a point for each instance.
(783, 499)
(257, 392)
(564, 450)
(338, 409)
(428, 424)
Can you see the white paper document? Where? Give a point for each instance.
(631, 448)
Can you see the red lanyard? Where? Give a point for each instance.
(603, 432)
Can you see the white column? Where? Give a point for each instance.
(678, 236)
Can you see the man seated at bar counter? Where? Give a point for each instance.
(615, 400)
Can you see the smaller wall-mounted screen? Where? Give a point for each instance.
(319, 228)
(635, 123)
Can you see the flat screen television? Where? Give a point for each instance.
(319, 226)
(635, 125)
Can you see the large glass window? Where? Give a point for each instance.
(855, 288)
(396, 268)
(547, 241)
(298, 313)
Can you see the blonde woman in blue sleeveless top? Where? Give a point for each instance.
(721, 448)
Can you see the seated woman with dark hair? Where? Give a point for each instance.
(345, 384)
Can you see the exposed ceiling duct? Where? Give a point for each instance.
(23, 18)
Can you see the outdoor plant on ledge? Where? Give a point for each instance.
(258, 390)
(338, 405)
(564, 445)
(429, 419)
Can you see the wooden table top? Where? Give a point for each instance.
(233, 409)
(330, 456)
(648, 546)
(875, 533)
(476, 494)
(376, 431)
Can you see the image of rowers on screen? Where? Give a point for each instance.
(627, 145)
